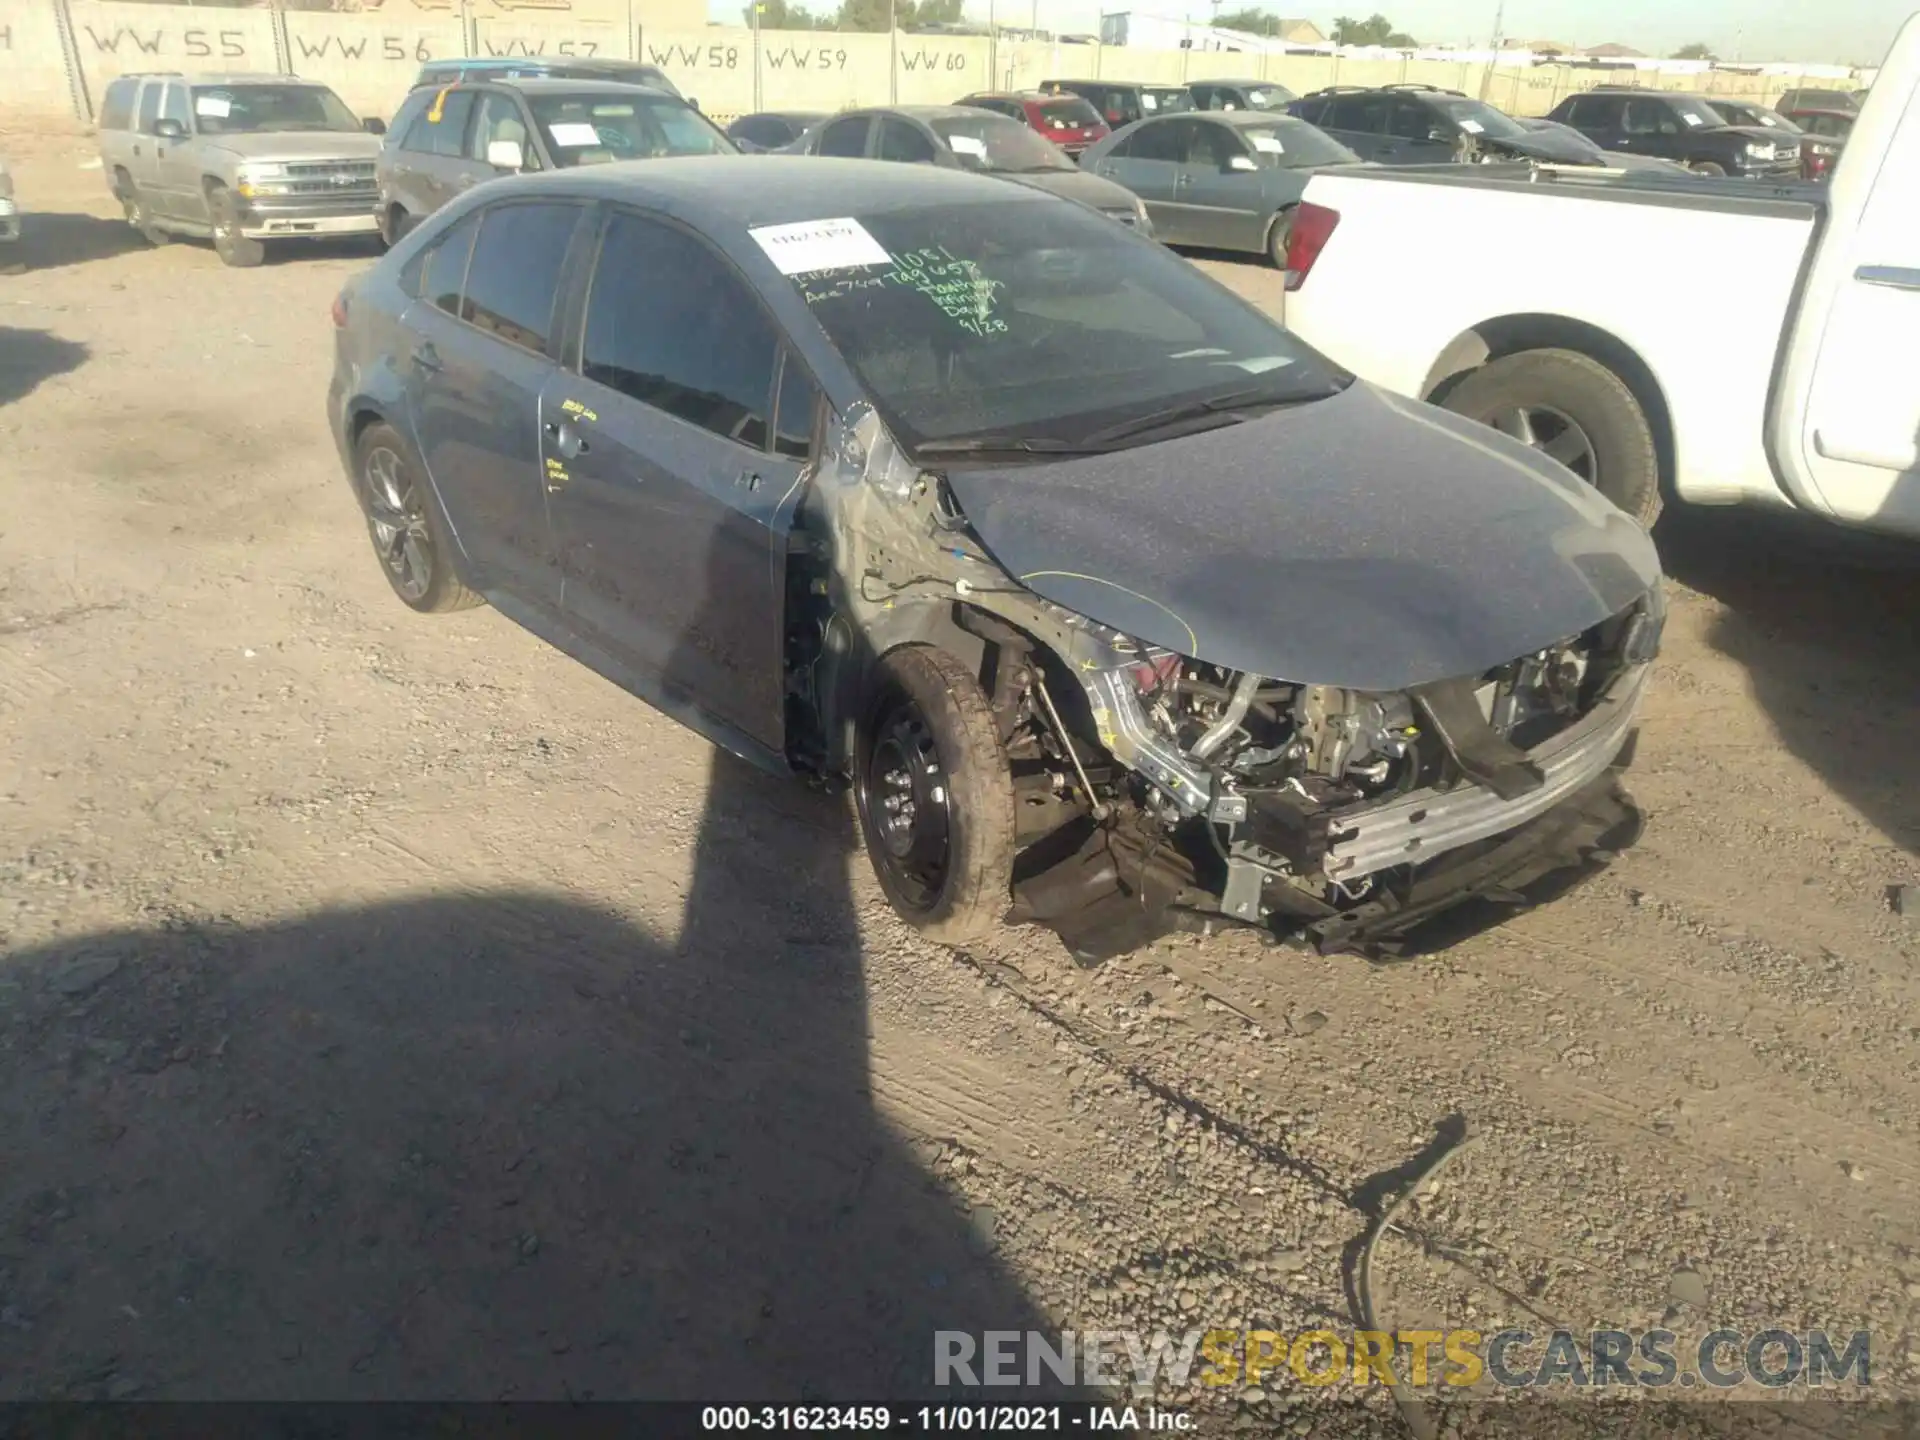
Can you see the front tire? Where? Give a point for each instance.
(405, 526)
(935, 797)
(1574, 410)
(1707, 167)
(229, 244)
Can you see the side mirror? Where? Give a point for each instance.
(373, 125)
(694, 103)
(169, 130)
(505, 155)
(1241, 164)
(1439, 136)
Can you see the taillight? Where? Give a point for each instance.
(1312, 227)
(340, 311)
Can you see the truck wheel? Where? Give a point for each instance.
(1575, 410)
(1707, 167)
(229, 244)
(935, 796)
(405, 525)
(394, 224)
(138, 216)
(1277, 234)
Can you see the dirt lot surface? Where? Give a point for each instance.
(392, 1008)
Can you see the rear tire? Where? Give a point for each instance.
(935, 796)
(404, 524)
(1707, 167)
(394, 224)
(229, 244)
(1575, 410)
(1277, 235)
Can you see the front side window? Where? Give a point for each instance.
(442, 127)
(671, 325)
(597, 129)
(515, 272)
(1650, 117)
(257, 109)
(1042, 320)
(1286, 144)
(902, 142)
(173, 106)
(499, 119)
(1162, 140)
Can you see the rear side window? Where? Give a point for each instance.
(442, 128)
(173, 106)
(671, 325)
(406, 115)
(446, 267)
(116, 106)
(846, 138)
(515, 272)
(1311, 111)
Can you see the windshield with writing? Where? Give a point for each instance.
(1469, 113)
(1284, 144)
(1045, 321)
(1165, 99)
(992, 142)
(258, 109)
(597, 129)
(1069, 112)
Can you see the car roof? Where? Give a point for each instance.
(1823, 110)
(1230, 81)
(926, 112)
(524, 62)
(561, 85)
(240, 77)
(808, 115)
(720, 191)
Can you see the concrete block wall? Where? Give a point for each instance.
(372, 59)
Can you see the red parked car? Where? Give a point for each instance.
(1067, 120)
(1824, 134)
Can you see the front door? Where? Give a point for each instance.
(1222, 203)
(477, 378)
(1420, 136)
(673, 460)
(1847, 421)
(176, 163)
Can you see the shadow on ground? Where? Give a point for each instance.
(476, 1147)
(28, 357)
(1827, 623)
(52, 241)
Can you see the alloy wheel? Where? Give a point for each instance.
(1553, 433)
(397, 519)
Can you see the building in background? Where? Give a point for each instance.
(1171, 32)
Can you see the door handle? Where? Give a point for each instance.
(567, 440)
(427, 358)
(748, 480)
(1894, 277)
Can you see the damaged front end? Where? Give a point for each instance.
(1156, 788)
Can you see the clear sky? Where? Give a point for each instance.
(1846, 32)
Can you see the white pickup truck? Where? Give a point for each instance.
(1725, 342)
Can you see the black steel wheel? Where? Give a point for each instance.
(934, 794)
(404, 526)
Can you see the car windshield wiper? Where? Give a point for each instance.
(1261, 397)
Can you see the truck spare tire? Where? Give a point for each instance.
(1575, 410)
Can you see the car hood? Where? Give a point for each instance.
(1076, 184)
(1365, 541)
(1551, 145)
(1776, 138)
(300, 145)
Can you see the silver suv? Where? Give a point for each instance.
(242, 159)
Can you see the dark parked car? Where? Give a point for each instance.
(445, 140)
(959, 137)
(1846, 101)
(1419, 125)
(1823, 135)
(1240, 95)
(772, 129)
(1683, 128)
(1618, 160)
(1746, 112)
(1121, 102)
(1229, 180)
(1014, 520)
(553, 67)
(1063, 120)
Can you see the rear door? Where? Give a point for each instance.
(176, 163)
(674, 452)
(484, 348)
(437, 151)
(1598, 118)
(1147, 161)
(144, 160)
(1846, 423)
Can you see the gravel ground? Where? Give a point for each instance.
(392, 1008)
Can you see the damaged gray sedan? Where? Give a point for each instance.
(1119, 608)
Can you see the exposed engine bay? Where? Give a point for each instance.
(1156, 789)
